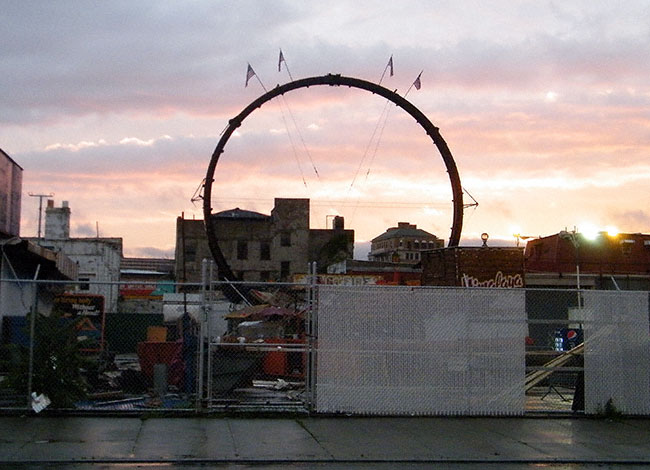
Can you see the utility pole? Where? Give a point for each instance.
(40, 208)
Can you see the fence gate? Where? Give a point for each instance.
(257, 357)
(420, 351)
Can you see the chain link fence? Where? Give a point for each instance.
(311, 347)
(205, 346)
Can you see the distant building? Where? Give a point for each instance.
(261, 247)
(608, 262)
(98, 258)
(22, 261)
(403, 244)
(11, 181)
(384, 272)
(143, 282)
(163, 266)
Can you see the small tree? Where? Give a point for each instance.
(57, 364)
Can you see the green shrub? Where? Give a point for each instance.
(57, 365)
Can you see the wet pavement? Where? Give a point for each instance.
(321, 442)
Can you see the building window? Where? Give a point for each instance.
(285, 239)
(627, 245)
(84, 283)
(265, 251)
(265, 276)
(285, 269)
(242, 249)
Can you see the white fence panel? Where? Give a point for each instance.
(420, 351)
(617, 351)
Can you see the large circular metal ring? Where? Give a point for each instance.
(332, 80)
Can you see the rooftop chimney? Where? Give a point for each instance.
(338, 223)
(57, 221)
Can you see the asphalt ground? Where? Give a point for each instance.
(29, 442)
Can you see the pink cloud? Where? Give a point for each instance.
(89, 112)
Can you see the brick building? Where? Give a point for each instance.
(261, 247)
(473, 267)
(619, 261)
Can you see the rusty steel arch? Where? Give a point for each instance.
(332, 80)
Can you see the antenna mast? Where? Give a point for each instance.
(40, 208)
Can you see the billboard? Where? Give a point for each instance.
(88, 309)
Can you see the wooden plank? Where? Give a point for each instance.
(533, 378)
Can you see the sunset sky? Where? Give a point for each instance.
(117, 106)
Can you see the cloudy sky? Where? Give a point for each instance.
(117, 106)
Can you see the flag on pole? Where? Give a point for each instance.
(250, 73)
(280, 60)
(417, 83)
(390, 65)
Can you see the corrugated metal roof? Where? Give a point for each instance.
(160, 265)
(142, 272)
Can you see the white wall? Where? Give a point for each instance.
(99, 261)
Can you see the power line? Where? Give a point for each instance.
(293, 147)
(348, 203)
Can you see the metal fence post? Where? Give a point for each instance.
(199, 387)
(209, 338)
(312, 335)
(32, 328)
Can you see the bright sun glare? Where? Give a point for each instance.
(589, 231)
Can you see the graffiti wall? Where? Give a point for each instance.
(474, 267)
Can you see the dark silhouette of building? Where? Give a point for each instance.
(619, 261)
(261, 247)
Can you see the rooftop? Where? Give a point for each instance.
(158, 265)
(404, 229)
(238, 213)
